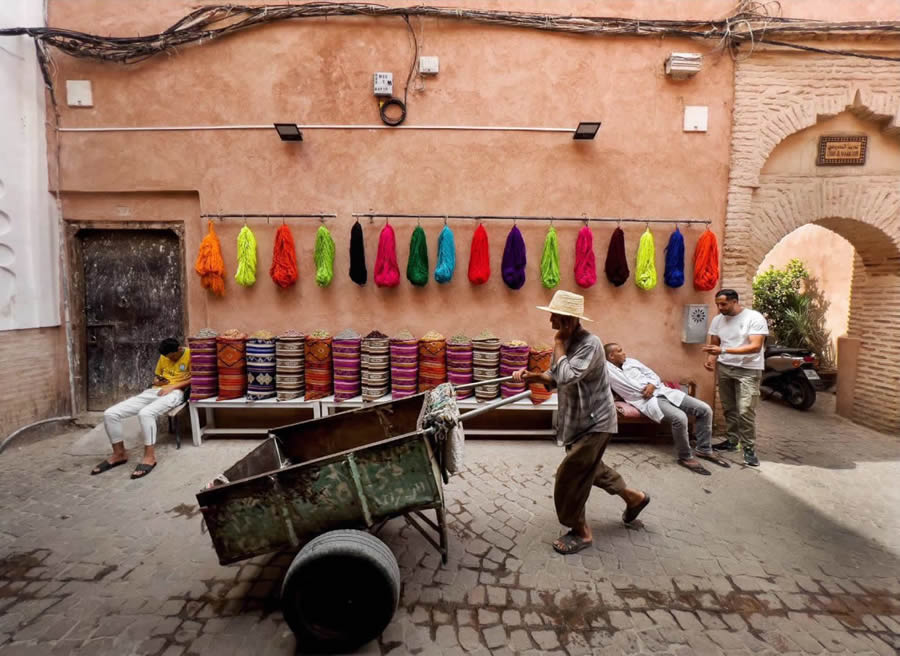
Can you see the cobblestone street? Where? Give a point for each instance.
(800, 556)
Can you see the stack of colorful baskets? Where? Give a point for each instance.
(513, 356)
(231, 361)
(375, 362)
(318, 365)
(432, 361)
(404, 365)
(290, 381)
(260, 366)
(204, 367)
(486, 364)
(346, 365)
(459, 363)
(539, 360)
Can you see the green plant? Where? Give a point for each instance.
(775, 292)
(795, 307)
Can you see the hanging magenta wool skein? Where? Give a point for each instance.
(585, 264)
(479, 257)
(387, 273)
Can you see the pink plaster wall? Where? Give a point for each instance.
(641, 165)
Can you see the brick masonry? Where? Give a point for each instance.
(34, 374)
(777, 95)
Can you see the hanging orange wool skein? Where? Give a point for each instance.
(210, 265)
(284, 258)
(706, 262)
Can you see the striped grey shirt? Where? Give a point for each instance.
(585, 401)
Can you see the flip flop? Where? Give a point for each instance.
(106, 465)
(571, 544)
(696, 468)
(713, 458)
(631, 514)
(144, 469)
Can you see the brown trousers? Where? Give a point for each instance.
(580, 470)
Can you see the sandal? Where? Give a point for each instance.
(106, 465)
(697, 468)
(571, 543)
(631, 514)
(142, 470)
(712, 457)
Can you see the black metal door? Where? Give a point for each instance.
(133, 299)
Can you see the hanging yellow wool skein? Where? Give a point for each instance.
(645, 274)
(246, 272)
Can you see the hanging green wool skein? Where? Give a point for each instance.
(550, 260)
(246, 271)
(645, 273)
(417, 267)
(324, 257)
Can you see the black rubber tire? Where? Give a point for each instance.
(341, 591)
(800, 393)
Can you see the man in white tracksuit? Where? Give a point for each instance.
(171, 377)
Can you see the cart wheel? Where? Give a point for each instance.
(341, 591)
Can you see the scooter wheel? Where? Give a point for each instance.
(800, 394)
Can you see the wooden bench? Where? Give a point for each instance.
(174, 423)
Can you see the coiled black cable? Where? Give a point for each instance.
(396, 102)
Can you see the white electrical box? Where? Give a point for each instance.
(696, 118)
(429, 65)
(384, 84)
(79, 93)
(695, 324)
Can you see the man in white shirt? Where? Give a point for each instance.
(638, 385)
(737, 339)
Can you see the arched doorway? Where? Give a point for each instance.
(777, 188)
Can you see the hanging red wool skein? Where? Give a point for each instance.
(706, 262)
(210, 264)
(387, 273)
(284, 258)
(585, 264)
(479, 257)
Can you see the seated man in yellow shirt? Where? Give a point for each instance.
(172, 376)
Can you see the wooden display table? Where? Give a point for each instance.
(211, 405)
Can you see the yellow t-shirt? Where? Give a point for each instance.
(174, 372)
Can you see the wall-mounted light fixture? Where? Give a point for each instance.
(289, 132)
(682, 65)
(586, 130)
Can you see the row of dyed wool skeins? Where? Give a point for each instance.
(211, 267)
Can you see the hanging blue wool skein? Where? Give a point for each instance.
(446, 263)
(674, 275)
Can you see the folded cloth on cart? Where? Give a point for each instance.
(441, 413)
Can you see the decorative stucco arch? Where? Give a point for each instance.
(777, 95)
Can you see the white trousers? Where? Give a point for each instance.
(148, 405)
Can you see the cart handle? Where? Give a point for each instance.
(495, 404)
(492, 381)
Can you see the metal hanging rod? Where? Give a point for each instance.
(315, 215)
(489, 217)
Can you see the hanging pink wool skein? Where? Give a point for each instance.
(585, 264)
(387, 273)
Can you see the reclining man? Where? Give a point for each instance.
(171, 377)
(640, 387)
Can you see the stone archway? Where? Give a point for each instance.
(778, 95)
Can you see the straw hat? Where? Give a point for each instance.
(566, 303)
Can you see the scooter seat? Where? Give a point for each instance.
(785, 350)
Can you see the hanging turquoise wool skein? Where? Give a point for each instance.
(446, 263)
